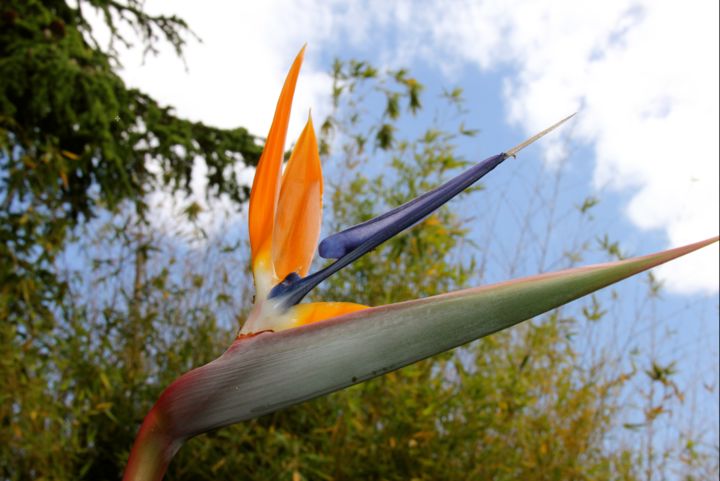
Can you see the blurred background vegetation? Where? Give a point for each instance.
(103, 303)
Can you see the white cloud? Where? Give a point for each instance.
(238, 69)
(230, 79)
(644, 75)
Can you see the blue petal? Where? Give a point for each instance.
(393, 222)
(351, 244)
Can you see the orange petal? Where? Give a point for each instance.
(299, 211)
(266, 185)
(319, 311)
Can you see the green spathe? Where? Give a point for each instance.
(269, 371)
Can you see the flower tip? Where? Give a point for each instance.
(514, 151)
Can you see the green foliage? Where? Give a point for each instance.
(74, 138)
(73, 396)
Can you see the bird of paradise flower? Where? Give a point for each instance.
(288, 352)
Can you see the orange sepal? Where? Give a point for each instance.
(299, 211)
(319, 311)
(266, 185)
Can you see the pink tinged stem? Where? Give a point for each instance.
(152, 451)
(168, 425)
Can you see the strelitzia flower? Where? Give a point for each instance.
(288, 352)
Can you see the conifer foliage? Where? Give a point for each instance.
(74, 137)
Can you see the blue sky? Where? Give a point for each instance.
(643, 76)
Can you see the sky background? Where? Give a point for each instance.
(642, 75)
